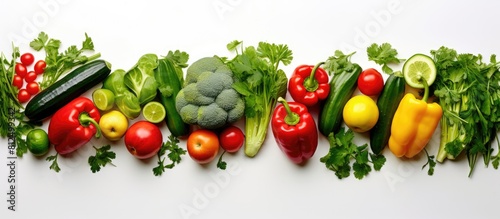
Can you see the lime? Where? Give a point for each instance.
(417, 68)
(37, 142)
(154, 112)
(104, 99)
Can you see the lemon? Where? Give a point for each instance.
(37, 142)
(104, 99)
(360, 113)
(417, 68)
(154, 112)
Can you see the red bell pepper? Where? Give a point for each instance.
(74, 125)
(309, 84)
(294, 130)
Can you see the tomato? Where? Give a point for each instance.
(143, 139)
(27, 59)
(231, 139)
(30, 77)
(40, 66)
(21, 70)
(18, 81)
(33, 87)
(370, 82)
(203, 145)
(23, 96)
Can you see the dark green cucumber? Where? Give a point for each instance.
(388, 102)
(169, 84)
(74, 84)
(342, 86)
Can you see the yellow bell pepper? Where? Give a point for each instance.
(413, 125)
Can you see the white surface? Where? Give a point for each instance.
(269, 185)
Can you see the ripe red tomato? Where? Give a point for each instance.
(27, 59)
(33, 88)
(143, 139)
(40, 66)
(30, 77)
(203, 145)
(18, 81)
(231, 139)
(21, 70)
(370, 82)
(23, 96)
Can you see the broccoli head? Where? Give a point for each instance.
(208, 99)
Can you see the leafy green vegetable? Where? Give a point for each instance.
(8, 93)
(469, 93)
(174, 155)
(125, 100)
(102, 157)
(343, 150)
(339, 62)
(260, 81)
(221, 164)
(54, 166)
(430, 162)
(59, 63)
(383, 55)
(140, 79)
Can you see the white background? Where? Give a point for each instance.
(269, 185)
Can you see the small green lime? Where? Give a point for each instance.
(37, 141)
(104, 99)
(154, 112)
(417, 68)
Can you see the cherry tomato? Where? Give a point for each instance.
(18, 81)
(40, 66)
(370, 82)
(30, 77)
(23, 96)
(231, 139)
(21, 70)
(143, 139)
(27, 59)
(33, 88)
(203, 145)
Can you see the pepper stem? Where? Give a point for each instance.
(310, 83)
(426, 89)
(86, 120)
(291, 118)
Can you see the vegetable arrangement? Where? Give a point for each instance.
(203, 105)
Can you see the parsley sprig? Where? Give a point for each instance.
(343, 151)
(102, 157)
(383, 55)
(59, 63)
(175, 155)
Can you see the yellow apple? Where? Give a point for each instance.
(360, 113)
(113, 125)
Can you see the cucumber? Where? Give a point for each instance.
(169, 85)
(74, 84)
(387, 103)
(342, 86)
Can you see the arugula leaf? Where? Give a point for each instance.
(383, 55)
(343, 150)
(54, 166)
(102, 157)
(174, 155)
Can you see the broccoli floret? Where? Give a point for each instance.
(189, 113)
(211, 116)
(208, 99)
(202, 65)
(211, 84)
(193, 96)
(237, 112)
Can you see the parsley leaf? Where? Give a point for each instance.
(383, 55)
(339, 63)
(343, 151)
(220, 163)
(102, 157)
(54, 166)
(431, 162)
(174, 155)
